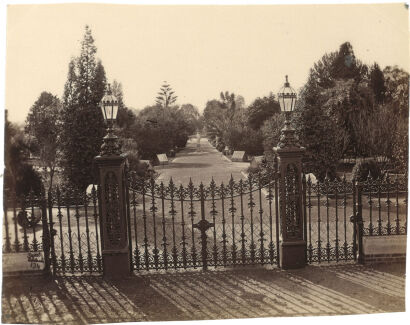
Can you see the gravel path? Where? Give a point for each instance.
(200, 165)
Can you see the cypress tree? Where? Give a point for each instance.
(83, 124)
(377, 83)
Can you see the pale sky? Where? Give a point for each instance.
(199, 50)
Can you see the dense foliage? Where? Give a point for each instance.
(347, 109)
(261, 110)
(159, 130)
(43, 126)
(82, 122)
(19, 175)
(227, 120)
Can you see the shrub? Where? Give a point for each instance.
(28, 180)
(255, 170)
(143, 170)
(220, 146)
(362, 169)
(181, 139)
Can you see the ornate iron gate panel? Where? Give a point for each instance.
(328, 207)
(74, 225)
(62, 224)
(338, 213)
(183, 226)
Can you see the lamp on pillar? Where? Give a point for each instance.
(287, 101)
(109, 109)
(289, 154)
(112, 196)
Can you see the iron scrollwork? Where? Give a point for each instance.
(292, 222)
(112, 217)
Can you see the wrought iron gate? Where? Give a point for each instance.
(183, 226)
(174, 226)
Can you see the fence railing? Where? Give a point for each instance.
(181, 226)
(22, 229)
(333, 208)
(384, 205)
(64, 224)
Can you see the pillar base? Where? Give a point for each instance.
(116, 265)
(293, 254)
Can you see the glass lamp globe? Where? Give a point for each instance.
(287, 97)
(109, 106)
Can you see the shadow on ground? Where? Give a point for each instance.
(195, 295)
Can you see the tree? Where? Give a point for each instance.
(321, 72)
(340, 84)
(19, 176)
(271, 129)
(397, 89)
(242, 137)
(261, 110)
(228, 100)
(345, 65)
(219, 115)
(227, 119)
(228, 103)
(239, 102)
(377, 134)
(397, 96)
(70, 95)
(82, 122)
(158, 131)
(349, 104)
(125, 117)
(191, 116)
(377, 83)
(43, 127)
(166, 96)
(214, 118)
(317, 133)
(347, 109)
(400, 150)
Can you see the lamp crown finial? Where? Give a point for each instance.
(287, 81)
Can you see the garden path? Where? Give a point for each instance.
(201, 165)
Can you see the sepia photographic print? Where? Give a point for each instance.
(212, 161)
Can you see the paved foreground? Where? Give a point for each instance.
(195, 295)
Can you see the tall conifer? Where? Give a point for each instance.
(83, 125)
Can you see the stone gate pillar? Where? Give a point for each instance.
(112, 207)
(113, 218)
(292, 244)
